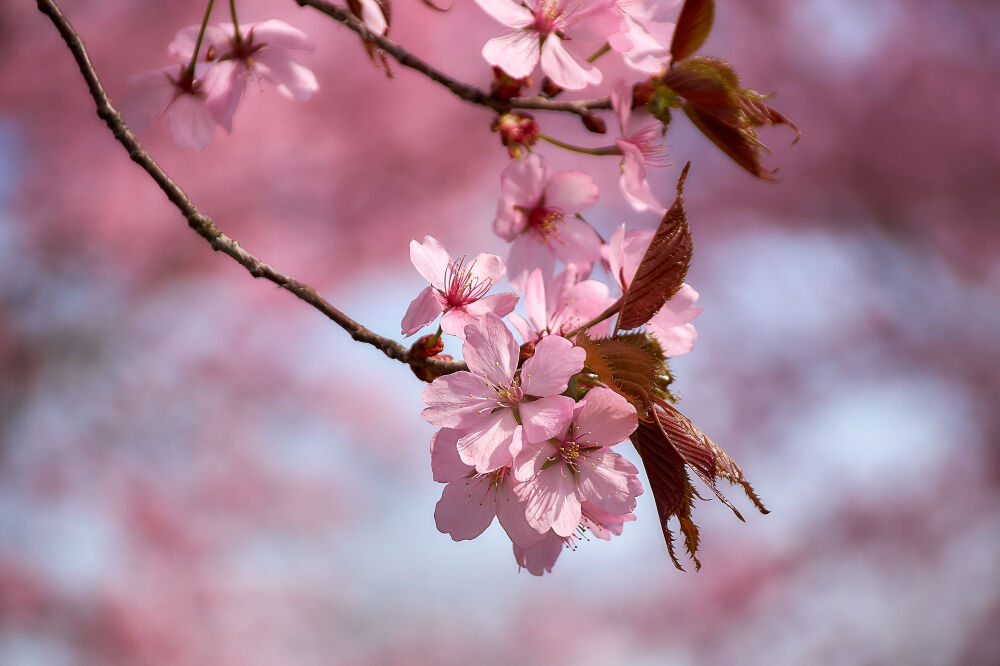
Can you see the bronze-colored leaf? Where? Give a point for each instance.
(693, 26)
(664, 266)
(631, 365)
(668, 444)
(723, 111)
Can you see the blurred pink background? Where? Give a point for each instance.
(196, 468)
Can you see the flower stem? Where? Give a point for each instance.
(237, 38)
(606, 150)
(433, 341)
(189, 71)
(598, 53)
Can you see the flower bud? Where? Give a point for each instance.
(594, 122)
(550, 88)
(526, 351)
(517, 130)
(506, 87)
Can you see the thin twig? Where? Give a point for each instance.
(462, 90)
(203, 225)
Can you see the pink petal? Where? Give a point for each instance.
(507, 12)
(635, 245)
(674, 340)
(564, 69)
(609, 482)
(542, 556)
(499, 304)
(633, 182)
(430, 259)
(515, 53)
(466, 508)
(422, 310)
(546, 417)
(455, 320)
(446, 465)
(613, 255)
(534, 300)
(578, 244)
(550, 501)
(191, 124)
(458, 400)
(488, 446)
(604, 418)
(292, 79)
(509, 220)
(527, 254)
(570, 191)
(372, 17)
(548, 372)
(487, 267)
(601, 523)
(596, 21)
(680, 309)
(522, 327)
(490, 350)
(147, 96)
(510, 512)
(223, 85)
(621, 102)
(530, 459)
(181, 46)
(523, 181)
(278, 35)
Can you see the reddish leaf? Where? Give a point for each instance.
(693, 26)
(632, 365)
(667, 445)
(723, 111)
(664, 266)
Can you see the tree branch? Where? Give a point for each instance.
(203, 225)
(462, 90)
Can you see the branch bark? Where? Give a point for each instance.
(203, 225)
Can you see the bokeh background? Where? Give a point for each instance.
(196, 468)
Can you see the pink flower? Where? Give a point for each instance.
(168, 91)
(539, 30)
(639, 149)
(536, 213)
(645, 41)
(470, 500)
(560, 305)
(493, 405)
(457, 290)
(578, 466)
(671, 325)
(262, 51)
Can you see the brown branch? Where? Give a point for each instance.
(203, 225)
(462, 90)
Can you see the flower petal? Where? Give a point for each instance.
(547, 417)
(633, 182)
(422, 310)
(147, 96)
(564, 69)
(604, 418)
(510, 512)
(578, 244)
(542, 556)
(515, 53)
(551, 502)
(489, 448)
(223, 85)
(507, 12)
(490, 350)
(191, 124)
(278, 35)
(458, 400)
(430, 259)
(570, 191)
(292, 79)
(608, 481)
(446, 466)
(548, 372)
(526, 254)
(466, 508)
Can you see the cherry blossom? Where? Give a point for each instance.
(457, 289)
(671, 325)
(578, 466)
(540, 557)
(561, 305)
(493, 405)
(176, 93)
(640, 149)
(540, 28)
(645, 42)
(258, 51)
(470, 501)
(536, 212)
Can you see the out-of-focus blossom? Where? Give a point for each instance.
(371, 15)
(579, 466)
(645, 42)
(458, 290)
(539, 30)
(260, 51)
(671, 325)
(470, 501)
(181, 97)
(536, 212)
(492, 406)
(561, 305)
(640, 148)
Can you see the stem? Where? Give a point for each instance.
(433, 341)
(237, 38)
(189, 72)
(599, 52)
(606, 150)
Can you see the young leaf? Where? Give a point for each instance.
(723, 111)
(632, 365)
(668, 444)
(693, 26)
(664, 266)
